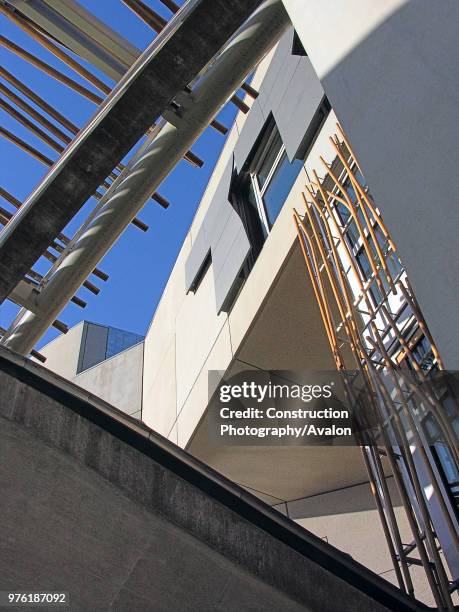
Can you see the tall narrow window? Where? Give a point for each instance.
(273, 177)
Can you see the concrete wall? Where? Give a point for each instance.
(187, 337)
(274, 323)
(63, 353)
(96, 505)
(117, 380)
(391, 72)
(342, 516)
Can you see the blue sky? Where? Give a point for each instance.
(140, 263)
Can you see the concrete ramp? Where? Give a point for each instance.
(95, 504)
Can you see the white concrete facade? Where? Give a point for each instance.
(187, 337)
(274, 322)
(391, 72)
(117, 379)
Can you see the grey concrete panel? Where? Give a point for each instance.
(117, 380)
(223, 247)
(97, 504)
(279, 75)
(222, 233)
(282, 51)
(220, 208)
(250, 132)
(198, 253)
(165, 70)
(299, 104)
(291, 91)
(211, 228)
(227, 277)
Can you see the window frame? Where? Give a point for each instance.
(260, 191)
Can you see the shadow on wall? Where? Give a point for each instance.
(396, 94)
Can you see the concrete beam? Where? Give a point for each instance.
(162, 150)
(175, 57)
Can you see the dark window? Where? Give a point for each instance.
(366, 270)
(393, 262)
(349, 223)
(260, 190)
(444, 459)
(280, 186)
(423, 354)
(297, 46)
(272, 176)
(245, 202)
(202, 271)
(269, 158)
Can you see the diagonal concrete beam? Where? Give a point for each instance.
(151, 163)
(173, 60)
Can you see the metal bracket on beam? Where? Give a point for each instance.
(24, 294)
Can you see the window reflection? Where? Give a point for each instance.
(280, 186)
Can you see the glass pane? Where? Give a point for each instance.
(249, 195)
(364, 264)
(394, 265)
(422, 352)
(343, 213)
(382, 241)
(359, 177)
(256, 228)
(269, 159)
(350, 190)
(280, 185)
(119, 340)
(352, 233)
(376, 293)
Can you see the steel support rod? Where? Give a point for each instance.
(148, 15)
(49, 70)
(27, 26)
(45, 106)
(148, 168)
(25, 147)
(34, 114)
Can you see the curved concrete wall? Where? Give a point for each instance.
(95, 504)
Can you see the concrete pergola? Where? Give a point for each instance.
(169, 64)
